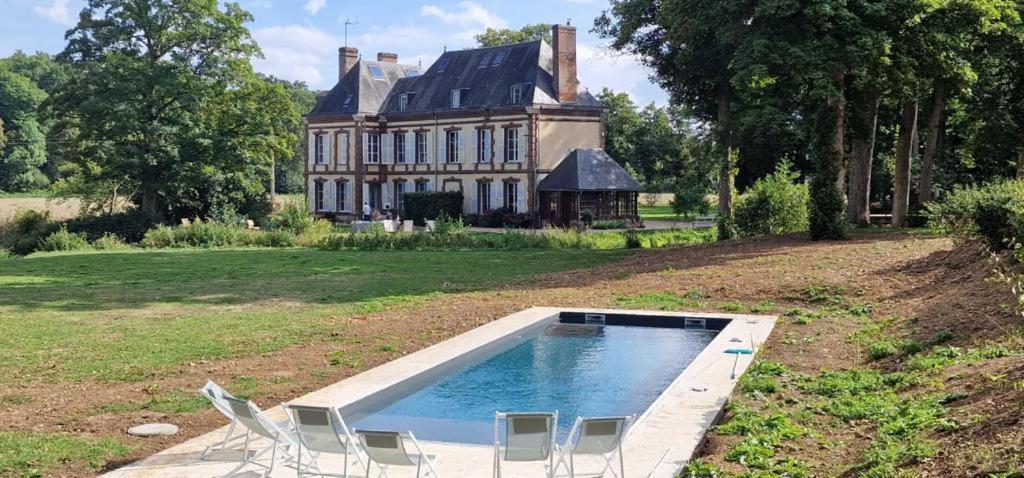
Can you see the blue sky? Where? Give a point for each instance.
(300, 38)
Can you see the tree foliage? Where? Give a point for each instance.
(506, 36)
(24, 154)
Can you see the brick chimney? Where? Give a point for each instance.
(563, 45)
(387, 57)
(347, 59)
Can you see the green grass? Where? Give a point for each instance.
(657, 213)
(29, 454)
(134, 315)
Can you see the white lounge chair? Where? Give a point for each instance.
(322, 430)
(387, 448)
(215, 394)
(528, 437)
(255, 421)
(597, 437)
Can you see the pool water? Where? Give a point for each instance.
(578, 370)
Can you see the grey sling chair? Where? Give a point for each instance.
(216, 395)
(528, 437)
(322, 430)
(596, 437)
(254, 420)
(387, 448)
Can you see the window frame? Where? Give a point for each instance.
(339, 192)
(421, 186)
(451, 147)
(483, 146)
(442, 64)
(403, 102)
(483, 197)
(515, 93)
(319, 153)
(420, 155)
(510, 195)
(319, 193)
(513, 144)
(499, 57)
(455, 98)
(398, 187)
(379, 70)
(373, 150)
(398, 143)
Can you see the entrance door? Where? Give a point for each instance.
(376, 199)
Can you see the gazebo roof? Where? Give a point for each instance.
(588, 170)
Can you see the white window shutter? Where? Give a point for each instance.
(343, 150)
(475, 140)
(329, 196)
(522, 144)
(461, 137)
(385, 196)
(366, 148)
(387, 155)
(442, 147)
(500, 144)
(328, 152)
(312, 149)
(410, 147)
(488, 145)
(520, 197)
(429, 186)
(366, 197)
(474, 205)
(348, 197)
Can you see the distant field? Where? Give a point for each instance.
(58, 209)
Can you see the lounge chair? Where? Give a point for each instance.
(255, 421)
(388, 449)
(595, 436)
(528, 437)
(322, 430)
(216, 395)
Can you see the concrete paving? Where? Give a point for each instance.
(657, 445)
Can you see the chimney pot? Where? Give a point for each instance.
(387, 57)
(347, 59)
(563, 46)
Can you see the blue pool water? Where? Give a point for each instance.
(578, 370)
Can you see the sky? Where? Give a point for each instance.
(300, 38)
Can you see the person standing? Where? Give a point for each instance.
(366, 211)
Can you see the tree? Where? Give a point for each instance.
(505, 36)
(25, 151)
(47, 75)
(289, 169)
(150, 102)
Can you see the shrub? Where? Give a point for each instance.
(211, 234)
(63, 240)
(610, 224)
(109, 242)
(421, 206)
(773, 205)
(690, 200)
(130, 226)
(6, 254)
(313, 235)
(994, 212)
(23, 233)
(446, 225)
(294, 216)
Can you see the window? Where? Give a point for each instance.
(340, 193)
(412, 73)
(403, 102)
(376, 72)
(456, 99)
(421, 148)
(485, 61)
(399, 148)
(452, 146)
(421, 186)
(348, 99)
(442, 64)
(318, 195)
(512, 195)
(515, 94)
(319, 148)
(374, 147)
(483, 146)
(400, 196)
(512, 145)
(483, 196)
(499, 57)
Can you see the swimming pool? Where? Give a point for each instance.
(577, 369)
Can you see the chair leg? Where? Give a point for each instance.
(572, 467)
(273, 459)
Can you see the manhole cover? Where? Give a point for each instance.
(153, 430)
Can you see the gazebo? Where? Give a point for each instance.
(587, 181)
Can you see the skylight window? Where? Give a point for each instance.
(412, 73)
(376, 72)
(348, 99)
(485, 61)
(442, 64)
(499, 57)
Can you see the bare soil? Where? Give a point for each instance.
(926, 280)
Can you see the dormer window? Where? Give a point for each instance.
(403, 102)
(515, 94)
(376, 72)
(456, 98)
(442, 64)
(499, 57)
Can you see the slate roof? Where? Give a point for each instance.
(588, 170)
(484, 82)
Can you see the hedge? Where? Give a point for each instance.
(429, 205)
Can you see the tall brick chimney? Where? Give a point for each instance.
(563, 45)
(347, 59)
(387, 57)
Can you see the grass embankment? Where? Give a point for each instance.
(139, 316)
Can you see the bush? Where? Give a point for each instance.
(773, 205)
(690, 201)
(294, 216)
(610, 224)
(421, 206)
(63, 240)
(109, 242)
(994, 212)
(211, 234)
(445, 225)
(23, 233)
(130, 226)
(500, 217)
(6, 254)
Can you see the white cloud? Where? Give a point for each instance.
(57, 12)
(601, 67)
(313, 6)
(470, 15)
(296, 52)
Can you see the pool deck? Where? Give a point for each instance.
(670, 430)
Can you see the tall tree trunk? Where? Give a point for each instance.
(1020, 165)
(150, 195)
(725, 179)
(862, 153)
(931, 142)
(904, 151)
(825, 211)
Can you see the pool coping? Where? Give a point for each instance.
(667, 433)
